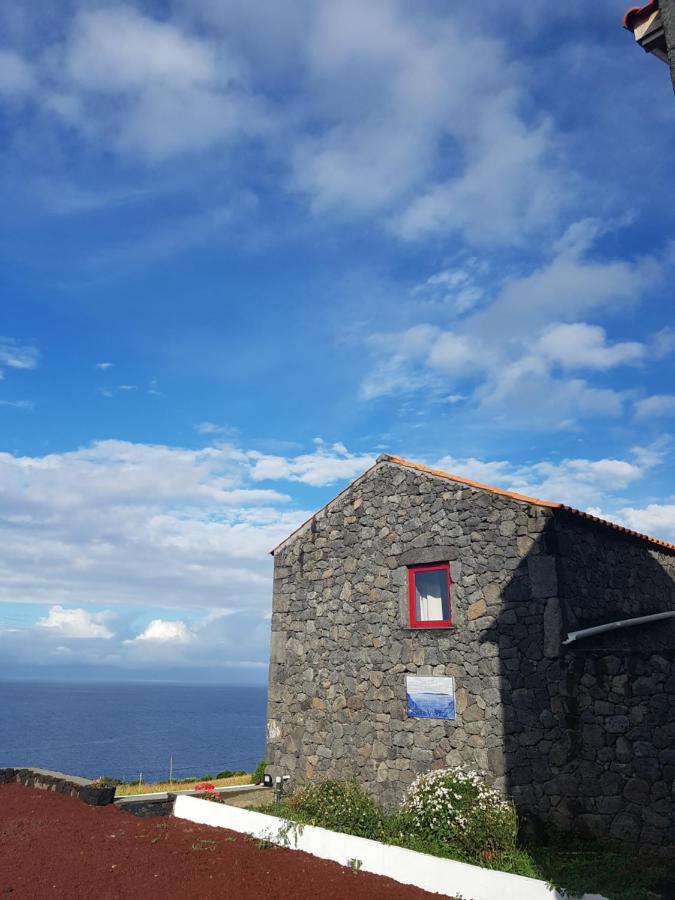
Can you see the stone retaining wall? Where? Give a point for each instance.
(71, 785)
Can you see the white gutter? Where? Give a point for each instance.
(610, 626)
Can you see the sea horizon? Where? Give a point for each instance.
(125, 729)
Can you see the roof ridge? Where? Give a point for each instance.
(459, 479)
(399, 460)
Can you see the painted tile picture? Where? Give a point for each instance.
(430, 698)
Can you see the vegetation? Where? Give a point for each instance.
(105, 781)
(581, 863)
(339, 805)
(454, 814)
(258, 773)
(125, 790)
(228, 773)
(458, 809)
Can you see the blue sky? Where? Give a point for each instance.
(246, 248)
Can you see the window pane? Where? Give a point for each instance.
(431, 596)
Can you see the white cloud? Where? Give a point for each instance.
(325, 466)
(582, 346)
(16, 77)
(496, 472)
(211, 429)
(104, 365)
(523, 351)
(119, 523)
(164, 631)
(581, 483)
(17, 355)
(456, 354)
(663, 342)
(457, 288)
(76, 623)
(508, 189)
(208, 428)
(570, 284)
(218, 640)
(527, 388)
(656, 519)
(655, 406)
(401, 354)
(126, 524)
(128, 79)
(417, 119)
(421, 119)
(17, 404)
(122, 49)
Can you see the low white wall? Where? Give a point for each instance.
(440, 876)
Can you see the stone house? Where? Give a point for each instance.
(422, 620)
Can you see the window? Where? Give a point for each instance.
(429, 596)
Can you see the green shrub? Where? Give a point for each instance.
(106, 781)
(258, 773)
(340, 806)
(455, 808)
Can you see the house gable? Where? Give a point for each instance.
(387, 459)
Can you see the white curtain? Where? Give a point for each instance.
(430, 603)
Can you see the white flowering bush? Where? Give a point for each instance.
(456, 808)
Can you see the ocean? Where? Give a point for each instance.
(121, 730)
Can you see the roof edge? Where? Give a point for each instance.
(523, 498)
(469, 482)
(458, 479)
(325, 506)
(635, 11)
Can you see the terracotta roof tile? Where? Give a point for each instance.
(523, 498)
(636, 12)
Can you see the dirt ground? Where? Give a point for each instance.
(56, 847)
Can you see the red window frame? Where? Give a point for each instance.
(414, 622)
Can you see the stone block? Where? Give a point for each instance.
(543, 577)
(476, 610)
(278, 647)
(552, 628)
(617, 724)
(625, 828)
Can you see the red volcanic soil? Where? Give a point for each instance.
(56, 847)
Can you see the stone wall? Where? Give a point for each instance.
(618, 701)
(70, 785)
(341, 648)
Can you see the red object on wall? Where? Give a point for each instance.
(440, 574)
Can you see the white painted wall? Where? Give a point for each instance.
(440, 876)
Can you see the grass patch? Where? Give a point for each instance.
(126, 790)
(581, 864)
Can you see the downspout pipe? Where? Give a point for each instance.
(612, 626)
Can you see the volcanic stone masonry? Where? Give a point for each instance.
(581, 734)
(71, 785)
